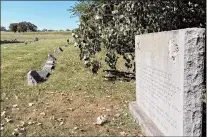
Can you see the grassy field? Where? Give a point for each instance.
(31, 35)
(69, 102)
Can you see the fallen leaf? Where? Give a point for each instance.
(108, 110)
(21, 130)
(103, 108)
(60, 119)
(28, 118)
(42, 113)
(31, 104)
(69, 99)
(39, 124)
(3, 113)
(16, 129)
(126, 102)
(8, 120)
(29, 123)
(101, 120)
(1, 128)
(61, 123)
(71, 109)
(52, 117)
(62, 94)
(123, 133)
(15, 105)
(75, 128)
(16, 97)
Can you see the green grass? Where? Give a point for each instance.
(83, 91)
(31, 35)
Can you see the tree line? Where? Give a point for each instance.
(25, 27)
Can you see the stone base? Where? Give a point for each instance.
(144, 121)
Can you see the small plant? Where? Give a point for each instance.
(95, 66)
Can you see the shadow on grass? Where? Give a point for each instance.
(113, 75)
(10, 41)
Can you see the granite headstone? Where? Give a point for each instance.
(48, 67)
(170, 82)
(44, 74)
(33, 77)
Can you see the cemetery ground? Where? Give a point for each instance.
(69, 102)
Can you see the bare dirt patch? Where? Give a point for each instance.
(71, 114)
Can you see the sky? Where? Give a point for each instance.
(43, 14)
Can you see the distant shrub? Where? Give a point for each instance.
(22, 27)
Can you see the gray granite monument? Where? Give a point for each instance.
(50, 62)
(43, 74)
(33, 78)
(58, 50)
(169, 82)
(48, 67)
(51, 57)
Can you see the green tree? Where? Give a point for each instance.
(31, 27)
(22, 27)
(82, 6)
(26, 26)
(44, 30)
(114, 24)
(3, 28)
(13, 27)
